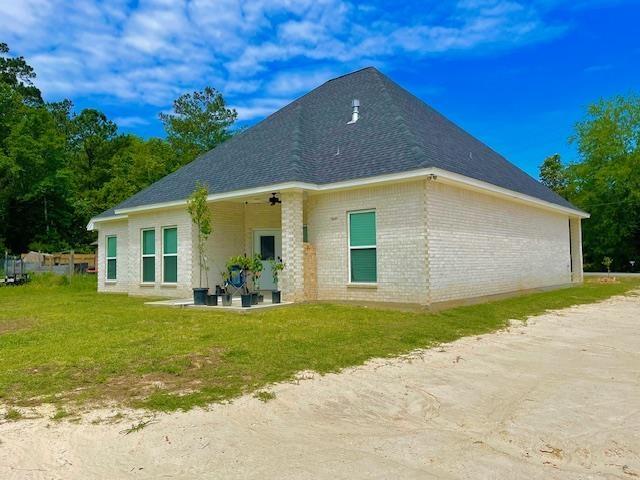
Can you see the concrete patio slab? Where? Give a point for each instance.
(235, 305)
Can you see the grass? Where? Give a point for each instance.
(60, 414)
(12, 415)
(264, 396)
(137, 427)
(62, 343)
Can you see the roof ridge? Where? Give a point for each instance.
(296, 158)
(415, 146)
(370, 67)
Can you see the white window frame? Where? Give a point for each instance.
(107, 258)
(147, 255)
(361, 247)
(167, 227)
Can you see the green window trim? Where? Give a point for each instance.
(170, 254)
(362, 247)
(148, 255)
(111, 256)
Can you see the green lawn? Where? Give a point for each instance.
(66, 344)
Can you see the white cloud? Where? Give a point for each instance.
(133, 121)
(259, 107)
(153, 50)
(288, 83)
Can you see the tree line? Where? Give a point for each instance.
(605, 182)
(59, 168)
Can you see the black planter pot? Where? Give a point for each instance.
(200, 296)
(246, 299)
(226, 299)
(212, 300)
(260, 298)
(254, 298)
(275, 296)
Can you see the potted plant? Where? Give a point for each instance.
(201, 218)
(276, 267)
(227, 299)
(212, 300)
(244, 263)
(222, 291)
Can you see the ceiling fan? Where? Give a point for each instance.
(274, 200)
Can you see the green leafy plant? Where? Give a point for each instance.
(277, 266)
(12, 414)
(256, 270)
(264, 396)
(607, 261)
(240, 261)
(201, 218)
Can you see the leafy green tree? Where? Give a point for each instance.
(17, 74)
(134, 167)
(606, 182)
(553, 174)
(201, 121)
(35, 183)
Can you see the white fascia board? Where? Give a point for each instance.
(91, 226)
(479, 185)
(442, 175)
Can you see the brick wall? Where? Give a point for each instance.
(187, 256)
(482, 245)
(477, 244)
(121, 230)
(291, 279)
(401, 252)
(227, 239)
(259, 216)
(310, 273)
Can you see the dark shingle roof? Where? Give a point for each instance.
(396, 132)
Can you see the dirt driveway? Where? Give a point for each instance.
(557, 398)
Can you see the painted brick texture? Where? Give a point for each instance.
(401, 237)
(482, 245)
(435, 243)
(227, 238)
(187, 259)
(292, 277)
(121, 230)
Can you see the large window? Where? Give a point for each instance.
(112, 253)
(148, 256)
(362, 247)
(170, 255)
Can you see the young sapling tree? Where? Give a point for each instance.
(201, 218)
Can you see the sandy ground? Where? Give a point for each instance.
(557, 398)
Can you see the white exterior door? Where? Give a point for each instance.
(267, 243)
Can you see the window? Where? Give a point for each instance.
(305, 234)
(362, 247)
(148, 256)
(112, 252)
(170, 255)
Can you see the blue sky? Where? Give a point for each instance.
(517, 75)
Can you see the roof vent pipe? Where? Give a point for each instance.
(354, 114)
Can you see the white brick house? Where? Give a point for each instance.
(390, 202)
